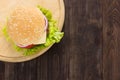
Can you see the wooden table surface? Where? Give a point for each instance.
(88, 51)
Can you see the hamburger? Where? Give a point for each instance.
(31, 28)
(26, 26)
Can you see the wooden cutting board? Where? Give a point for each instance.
(7, 52)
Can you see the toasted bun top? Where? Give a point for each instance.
(26, 25)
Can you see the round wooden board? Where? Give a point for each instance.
(7, 53)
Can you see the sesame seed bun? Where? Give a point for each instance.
(26, 25)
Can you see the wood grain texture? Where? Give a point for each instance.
(85, 42)
(88, 51)
(111, 40)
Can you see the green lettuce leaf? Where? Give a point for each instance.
(5, 33)
(53, 36)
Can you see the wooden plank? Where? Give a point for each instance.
(84, 25)
(111, 40)
(21, 71)
(9, 71)
(42, 67)
(2, 71)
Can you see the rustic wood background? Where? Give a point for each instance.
(89, 50)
